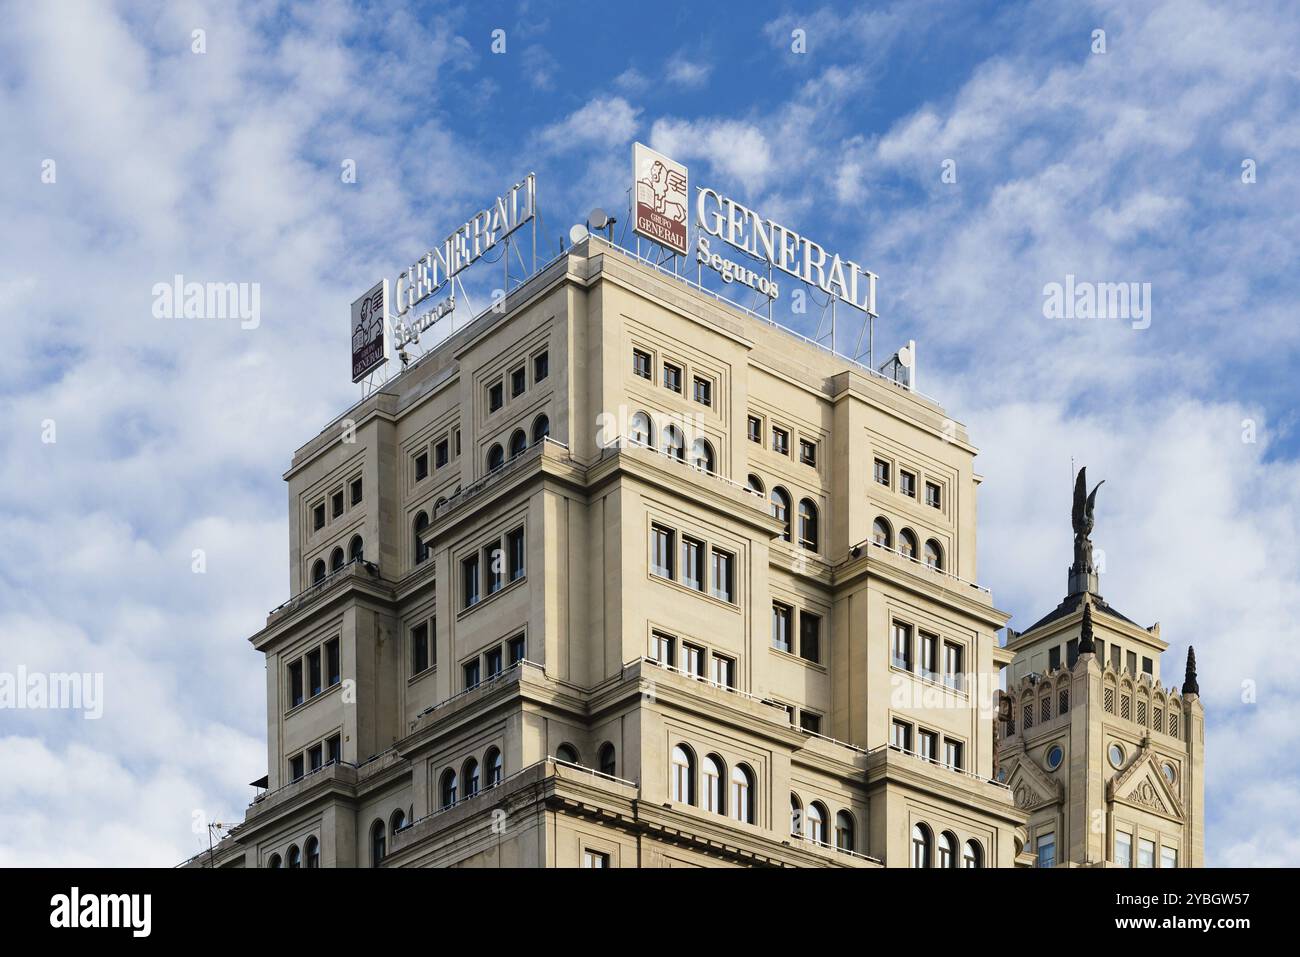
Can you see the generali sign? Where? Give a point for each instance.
(662, 200)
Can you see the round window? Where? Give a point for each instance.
(1054, 756)
(1116, 755)
(1169, 772)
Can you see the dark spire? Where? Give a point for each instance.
(1189, 680)
(1086, 647)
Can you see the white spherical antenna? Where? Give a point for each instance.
(577, 234)
(905, 357)
(597, 219)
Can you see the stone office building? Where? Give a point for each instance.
(623, 576)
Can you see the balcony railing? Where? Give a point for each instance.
(936, 763)
(919, 566)
(507, 467)
(353, 567)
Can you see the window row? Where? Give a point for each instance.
(355, 553)
(780, 436)
(311, 673)
(809, 631)
(517, 381)
(1162, 720)
(779, 505)
(883, 473)
(492, 662)
(328, 751)
(811, 823)
(711, 786)
(493, 567)
(381, 832)
(518, 444)
(672, 442)
(927, 745)
(443, 449)
(699, 566)
(882, 533)
(929, 851)
(1146, 852)
(309, 856)
(673, 376)
(344, 497)
(695, 660)
(927, 656)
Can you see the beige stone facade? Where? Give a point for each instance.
(625, 576)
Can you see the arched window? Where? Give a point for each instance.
(469, 774)
(683, 775)
(318, 571)
(934, 554)
(756, 484)
(880, 533)
(796, 815)
(712, 769)
(312, 850)
(907, 543)
(606, 759)
(356, 549)
(448, 789)
(702, 455)
(640, 430)
(378, 843)
(781, 509)
(492, 761)
(336, 559)
(674, 443)
(742, 794)
(273, 862)
(567, 752)
(972, 855)
(844, 831)
(518, 442)
(295, 856)
(947, 850)
(421, 550)
(496, 457)
(541, 428)
(815, 826)
(921, 842)
(397, 821)
(807, 525)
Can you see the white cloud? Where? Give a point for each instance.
(688, 74)
(606, 121)
(732, 147)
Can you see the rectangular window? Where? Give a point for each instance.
(756, 429)
(518, 382)
(1146, 853)
(356, 491)
(295, 683)
(469, 581)
(1131, 660)
(781, 615)
(495, 564)
(927, 745)
(422, 466)
(1146, 665)
(641, 363)
(440, 454)
(1053, 658)
(907, 483)
(295, 767)
(594, 859)
(901, 652)
(932, 495)
(724, 672)
(672, 377)
(703, 391)
(314, 672)
(1101, 652)
(492, 662)
(808, 452)
(541, 366)
(318, 517)
(1071, 652)
(952, 666)
(515, 554)
(332, 662)
(1123, 849)
(692, 563)
(315, 757)
(723, 581)
(693, 660)
(810, 635)
(1168, 857)
(472, 674)
(458, 441)
(1047, 850)
(780, 441)
(496, 396)
(515, 649)
(882, 472)
(334, 750)
(419, 648)
(810, 722)
(928, 656)
(336, 503)
(952, 754)
(900, 735)
(1115, 657)
(661, 551)
(663, 649)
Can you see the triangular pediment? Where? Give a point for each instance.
(1143, 786)
(1031, 787)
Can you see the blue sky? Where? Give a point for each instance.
(1122, 166)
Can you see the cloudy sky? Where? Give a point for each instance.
(131, 441)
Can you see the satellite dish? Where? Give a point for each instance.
(577, 234)
(905, 357)
(597, 219)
